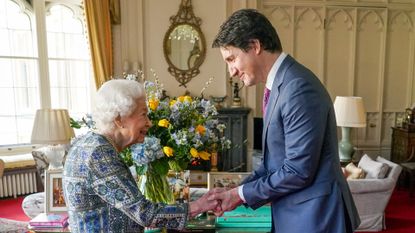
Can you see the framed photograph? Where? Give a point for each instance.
(54, 200)
(225, 179)
(198, 178)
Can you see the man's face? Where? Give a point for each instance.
(242, 64)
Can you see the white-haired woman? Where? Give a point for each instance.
(99, 189)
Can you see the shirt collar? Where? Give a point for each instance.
(274, 69)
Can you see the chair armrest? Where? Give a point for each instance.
(371, 185)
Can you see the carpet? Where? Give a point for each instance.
(11, 208)
(12, 226)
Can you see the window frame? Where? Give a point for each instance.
(37, 12)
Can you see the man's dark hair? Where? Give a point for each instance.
(245, 25)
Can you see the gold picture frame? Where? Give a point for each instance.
(54, 199)
(226, 179)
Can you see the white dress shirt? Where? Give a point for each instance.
(270, 80)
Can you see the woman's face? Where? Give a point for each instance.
(137, 123)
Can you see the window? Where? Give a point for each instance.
(24, 85)
(69, 61)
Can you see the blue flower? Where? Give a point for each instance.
(146, 152)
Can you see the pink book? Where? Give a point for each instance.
(49, 220)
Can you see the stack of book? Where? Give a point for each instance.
(246, 217)
(49, 220)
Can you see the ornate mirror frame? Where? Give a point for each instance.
(185, 17)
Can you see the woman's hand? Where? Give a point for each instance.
(205, 203)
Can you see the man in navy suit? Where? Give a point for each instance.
(300, 174)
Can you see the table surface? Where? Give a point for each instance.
(205, 223)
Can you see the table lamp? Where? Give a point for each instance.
(350, 113)
(51, 127)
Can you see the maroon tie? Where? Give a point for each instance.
(265, 100)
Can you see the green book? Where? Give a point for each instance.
(246, 217)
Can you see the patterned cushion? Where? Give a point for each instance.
(41, 164)
(34, 204)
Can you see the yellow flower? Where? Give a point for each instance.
(188, 98)
(172, 102)
(164, 123)
(153, 104)
(168, 151)
(194, 153)
(184, 98)
(204, 155)
(201, 129)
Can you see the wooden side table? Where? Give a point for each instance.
(409, 168)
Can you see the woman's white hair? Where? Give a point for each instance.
(115, 98)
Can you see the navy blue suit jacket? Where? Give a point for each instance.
(300, 174)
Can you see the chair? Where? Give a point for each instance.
(1, 168)
(371, 197)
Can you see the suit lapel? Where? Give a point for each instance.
(275, 92)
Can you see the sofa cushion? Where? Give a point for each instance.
(17, 161)
(373, 169)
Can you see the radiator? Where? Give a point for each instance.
(18, 182)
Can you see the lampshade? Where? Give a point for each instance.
(51, 126)
(350, 111)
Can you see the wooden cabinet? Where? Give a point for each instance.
(235, 120)
(403, 145)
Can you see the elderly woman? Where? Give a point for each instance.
(100, 192)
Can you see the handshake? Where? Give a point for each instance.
(219, 200)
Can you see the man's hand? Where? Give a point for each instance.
(204, 204)
(228, 200)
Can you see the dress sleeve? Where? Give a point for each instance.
(112, 181)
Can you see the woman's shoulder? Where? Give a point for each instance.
(85, 145)
(90, 138)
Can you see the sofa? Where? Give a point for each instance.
(371, 194)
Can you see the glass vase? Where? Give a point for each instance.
(155, 187)
(179, 185)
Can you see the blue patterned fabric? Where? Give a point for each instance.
(102, 196)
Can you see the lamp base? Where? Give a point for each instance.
(346, 149)
(54, 155)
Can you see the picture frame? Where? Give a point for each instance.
(226, 179)
(54, 199)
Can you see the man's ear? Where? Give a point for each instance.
(256, 46)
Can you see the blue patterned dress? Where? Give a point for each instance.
(102, 196)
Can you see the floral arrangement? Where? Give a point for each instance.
(187, 128)
(184, 130)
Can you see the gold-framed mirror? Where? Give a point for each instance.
(184, 44)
